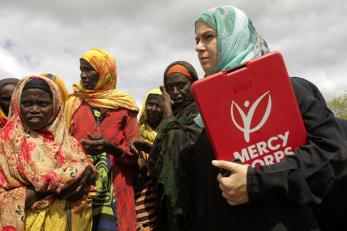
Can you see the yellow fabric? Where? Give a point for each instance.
(147, 133)
(3, 118)
(57, 80)
(48, 160)
(105, 94)
(54, 218)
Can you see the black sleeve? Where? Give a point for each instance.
(309, 174)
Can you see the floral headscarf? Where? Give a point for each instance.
(105, 94)
(237, 39)
(49, 161)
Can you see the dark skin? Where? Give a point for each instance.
(36, 110)
(176, 91)
(5, 97)
(153, 111)
(154, 117)
(89, 76)
(95, 144)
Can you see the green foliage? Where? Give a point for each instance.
(339, 106)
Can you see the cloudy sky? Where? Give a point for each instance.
(146, 36)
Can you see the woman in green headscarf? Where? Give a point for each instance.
(274, 197)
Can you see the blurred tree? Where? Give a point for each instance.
(339, 106)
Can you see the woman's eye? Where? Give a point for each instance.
(209, 37)
(181, 85)
(43, 104)
(26, 104)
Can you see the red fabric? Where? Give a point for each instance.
(120, 127)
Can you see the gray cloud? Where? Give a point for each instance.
(145, 36)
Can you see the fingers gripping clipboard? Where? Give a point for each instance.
(250, 113)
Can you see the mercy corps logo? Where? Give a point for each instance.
(247, 118)
(265, 152)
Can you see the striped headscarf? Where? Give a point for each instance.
(105, 94)
(237, 39)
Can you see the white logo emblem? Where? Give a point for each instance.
(247, 119)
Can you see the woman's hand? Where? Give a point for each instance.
(165, 103)
(234, 187)
(32, 196)
(80, 188)
(138, 145)
(97, 144)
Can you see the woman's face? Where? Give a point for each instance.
(89, 76)
(206, 46)
(5, 96)
(153, 109)
(36, 108)
(178, 87)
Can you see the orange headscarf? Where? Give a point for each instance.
(60, 83)
(105, 94)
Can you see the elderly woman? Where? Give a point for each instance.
(274, 197)
(176, 132)
(43, 170)
(6, 89)
(103, 119)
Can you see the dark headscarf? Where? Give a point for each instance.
(6, 81)
(38, 84)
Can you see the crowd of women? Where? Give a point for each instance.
(82, 161)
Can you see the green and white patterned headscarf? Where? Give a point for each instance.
(237, 39)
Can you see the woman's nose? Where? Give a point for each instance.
(199, 46)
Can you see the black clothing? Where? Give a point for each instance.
(174, 134)
(331, 213)
(279, 194)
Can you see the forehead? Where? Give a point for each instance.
(7, 88)
(153, 98)
(84, 63)
(202, 28)
(35, 93)
(176, 78)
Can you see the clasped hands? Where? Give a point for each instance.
(97, 144)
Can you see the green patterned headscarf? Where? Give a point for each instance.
(237, 39)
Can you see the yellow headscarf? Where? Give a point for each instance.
(105, 94)
(57, 80)
(147, 133)
(3, 118)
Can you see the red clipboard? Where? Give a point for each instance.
(251, 113)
